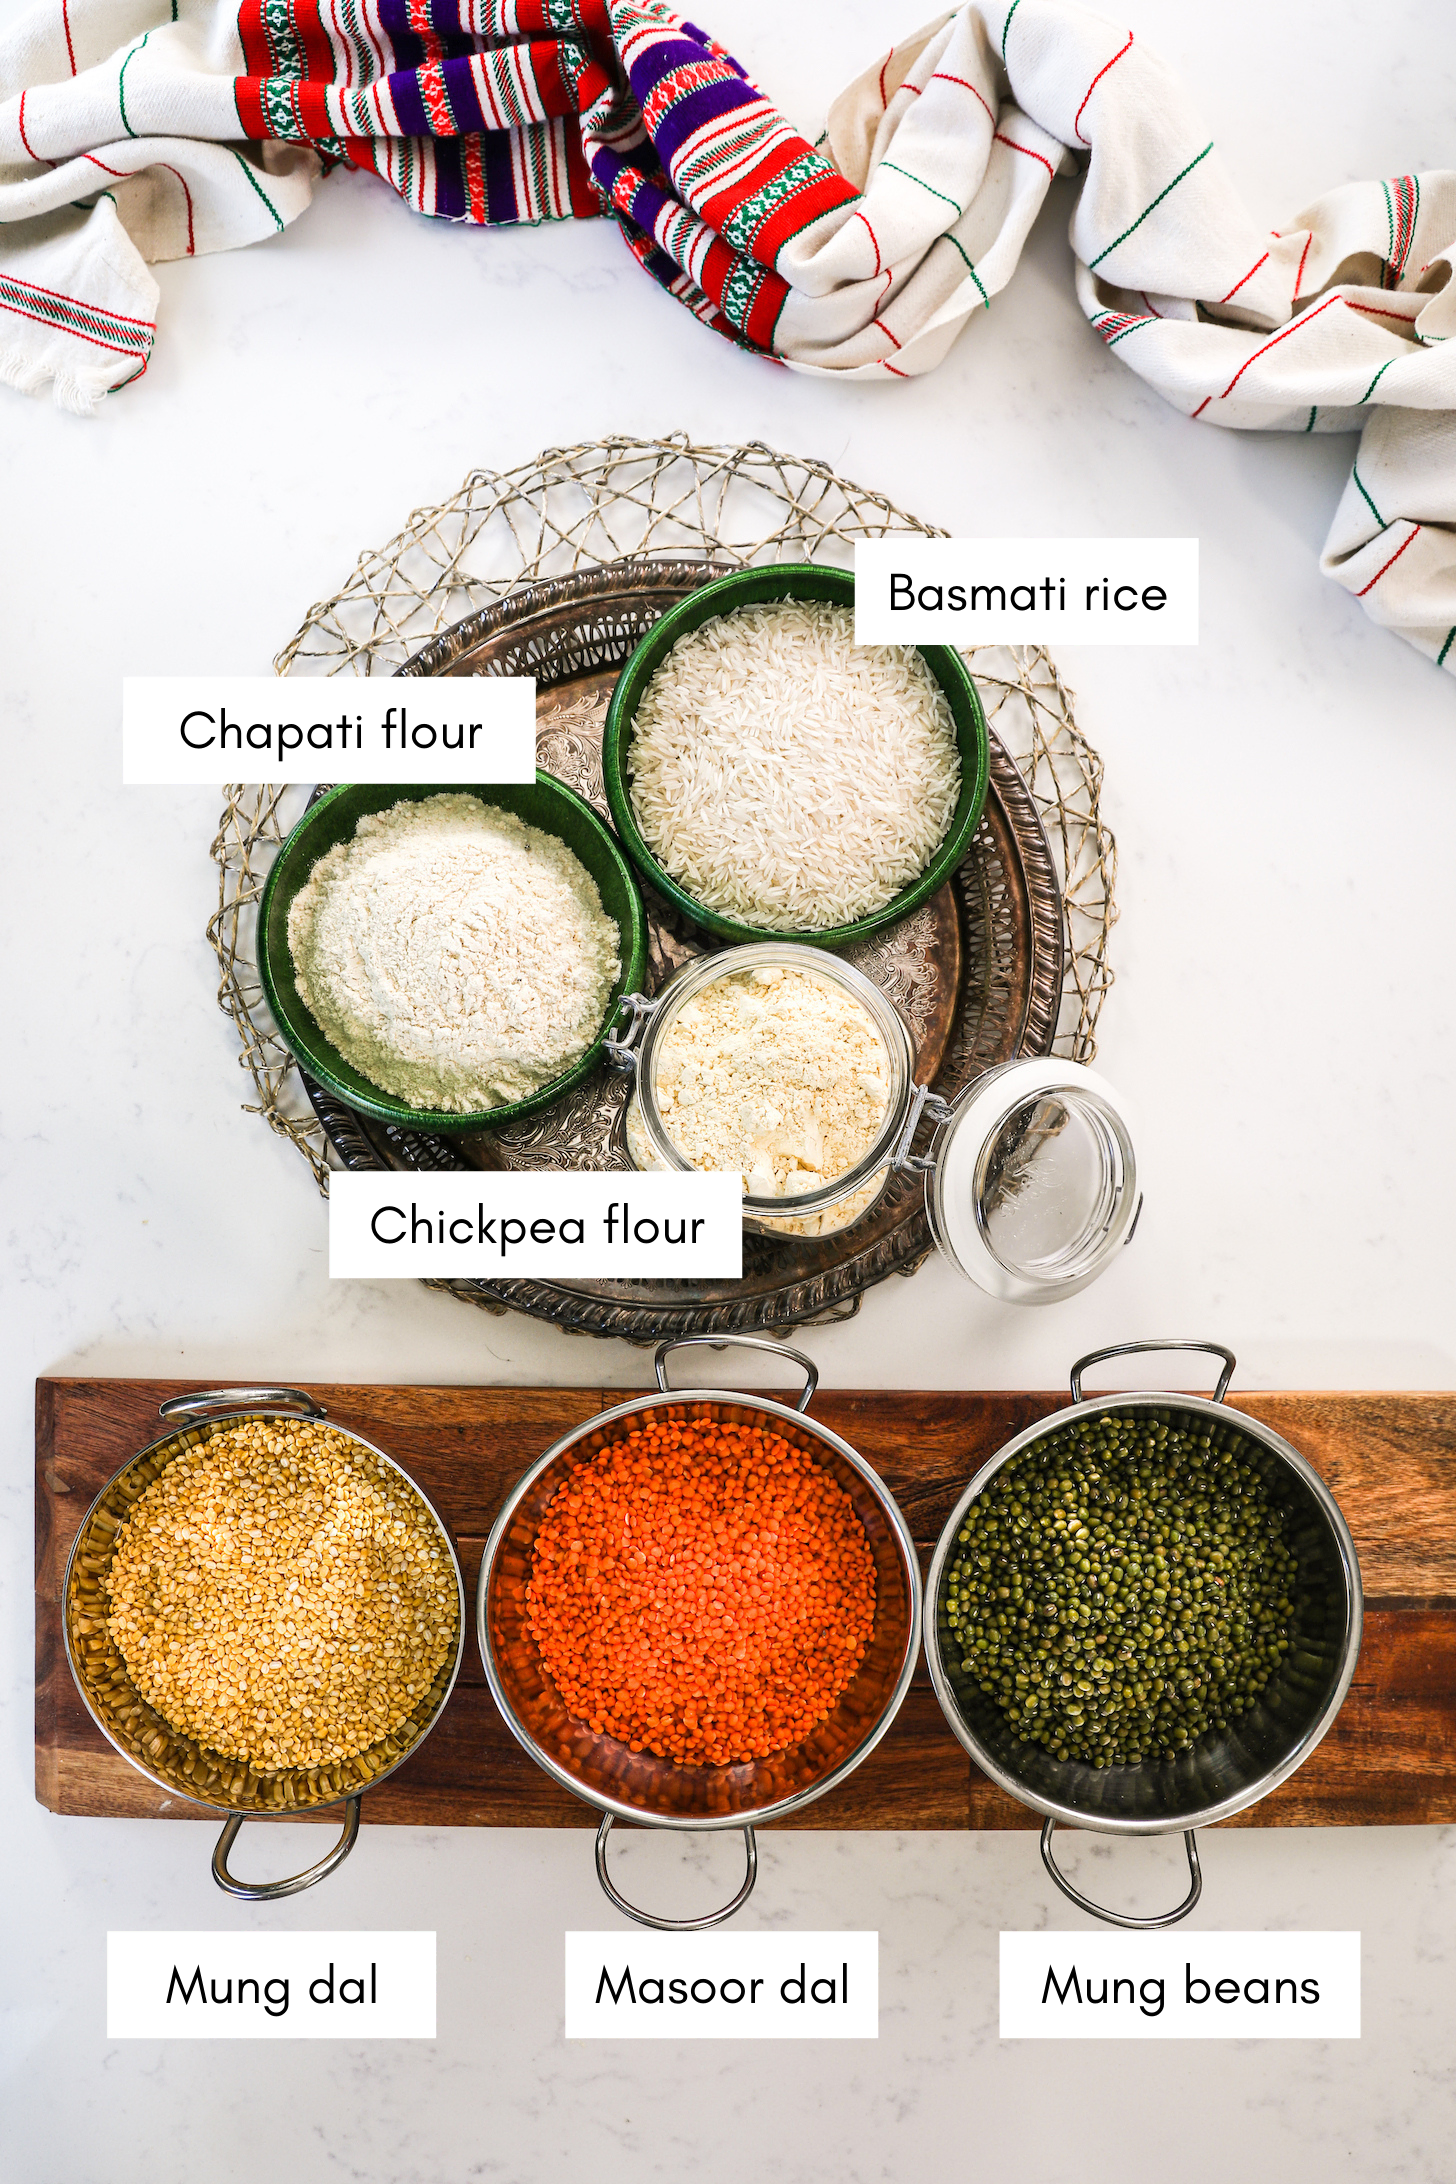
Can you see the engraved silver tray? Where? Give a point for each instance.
(977, 973)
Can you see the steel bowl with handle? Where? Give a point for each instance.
(625, 1785)
(1226, 1770)
(180, 1763)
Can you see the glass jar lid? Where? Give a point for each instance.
(1032, 1182)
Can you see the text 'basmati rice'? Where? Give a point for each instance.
(787, 777)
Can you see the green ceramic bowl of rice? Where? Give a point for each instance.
(776, 782)
(545, 804)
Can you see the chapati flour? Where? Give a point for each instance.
(457, 957)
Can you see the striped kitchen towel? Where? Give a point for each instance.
(136, 130)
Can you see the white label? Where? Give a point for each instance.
(564, 1226)
(190, 730)
(1274, 1986)
(232, 1986)
(1070, 591)
(812, 1986)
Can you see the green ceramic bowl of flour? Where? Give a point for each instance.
(546, 804)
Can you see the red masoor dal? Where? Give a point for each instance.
(702, 1591)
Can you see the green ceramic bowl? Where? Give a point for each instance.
(545, 803)
(751, 587)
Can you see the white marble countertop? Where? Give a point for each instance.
(1282, 798)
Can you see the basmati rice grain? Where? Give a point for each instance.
(785, 776)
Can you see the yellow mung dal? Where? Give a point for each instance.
(282, 1595)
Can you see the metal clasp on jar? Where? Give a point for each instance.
(622, 1044)
(927, 1106)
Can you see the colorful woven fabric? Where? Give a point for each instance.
(135, 130)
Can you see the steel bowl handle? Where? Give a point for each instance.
(1117, 1918)
(219, 1402)
(266, 1891)
(673, 1926)
(664, 1351)
(1126, 1349)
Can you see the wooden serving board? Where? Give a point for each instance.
(1389, 1459)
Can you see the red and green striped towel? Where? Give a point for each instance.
(136, 130)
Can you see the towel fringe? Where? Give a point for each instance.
(77, 392)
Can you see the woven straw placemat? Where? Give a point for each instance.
(579, 507)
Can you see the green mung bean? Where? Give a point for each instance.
(1123, 1587)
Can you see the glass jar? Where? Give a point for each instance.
(1031, 1179)
(638, 1047)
